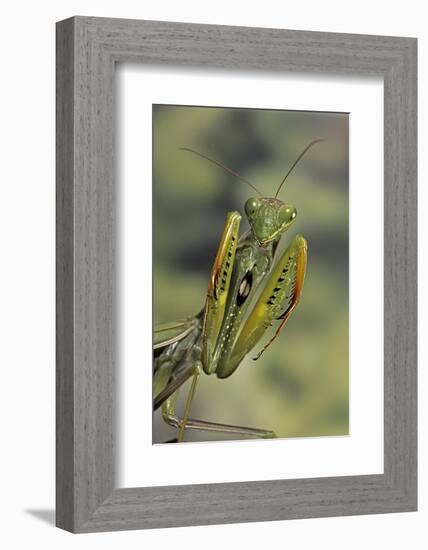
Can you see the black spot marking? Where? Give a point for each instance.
(271, 300)
(244, 288)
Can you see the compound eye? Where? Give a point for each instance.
(251, 207)
(287, 214)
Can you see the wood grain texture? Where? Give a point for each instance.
(87, 50)
(64, 278)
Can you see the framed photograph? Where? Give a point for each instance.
(236, 274)
(289, 394)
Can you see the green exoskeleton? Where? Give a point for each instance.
(229, 326)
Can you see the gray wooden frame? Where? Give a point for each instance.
(87, 50)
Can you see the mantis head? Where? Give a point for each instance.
(269, 217)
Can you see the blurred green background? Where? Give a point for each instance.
(299, 387)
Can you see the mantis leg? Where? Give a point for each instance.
(195, 424)
(168, 406)
(297, 254)
(183, 423)
(218, 288)
(171, 388)
(276, 303)
(175, 340)
(169, 333)
(189, 402)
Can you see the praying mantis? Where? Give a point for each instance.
(229, 326)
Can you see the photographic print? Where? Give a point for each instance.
(250, 273)
(169, 136)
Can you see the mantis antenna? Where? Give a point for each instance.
(294, 164)
(222, 166)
